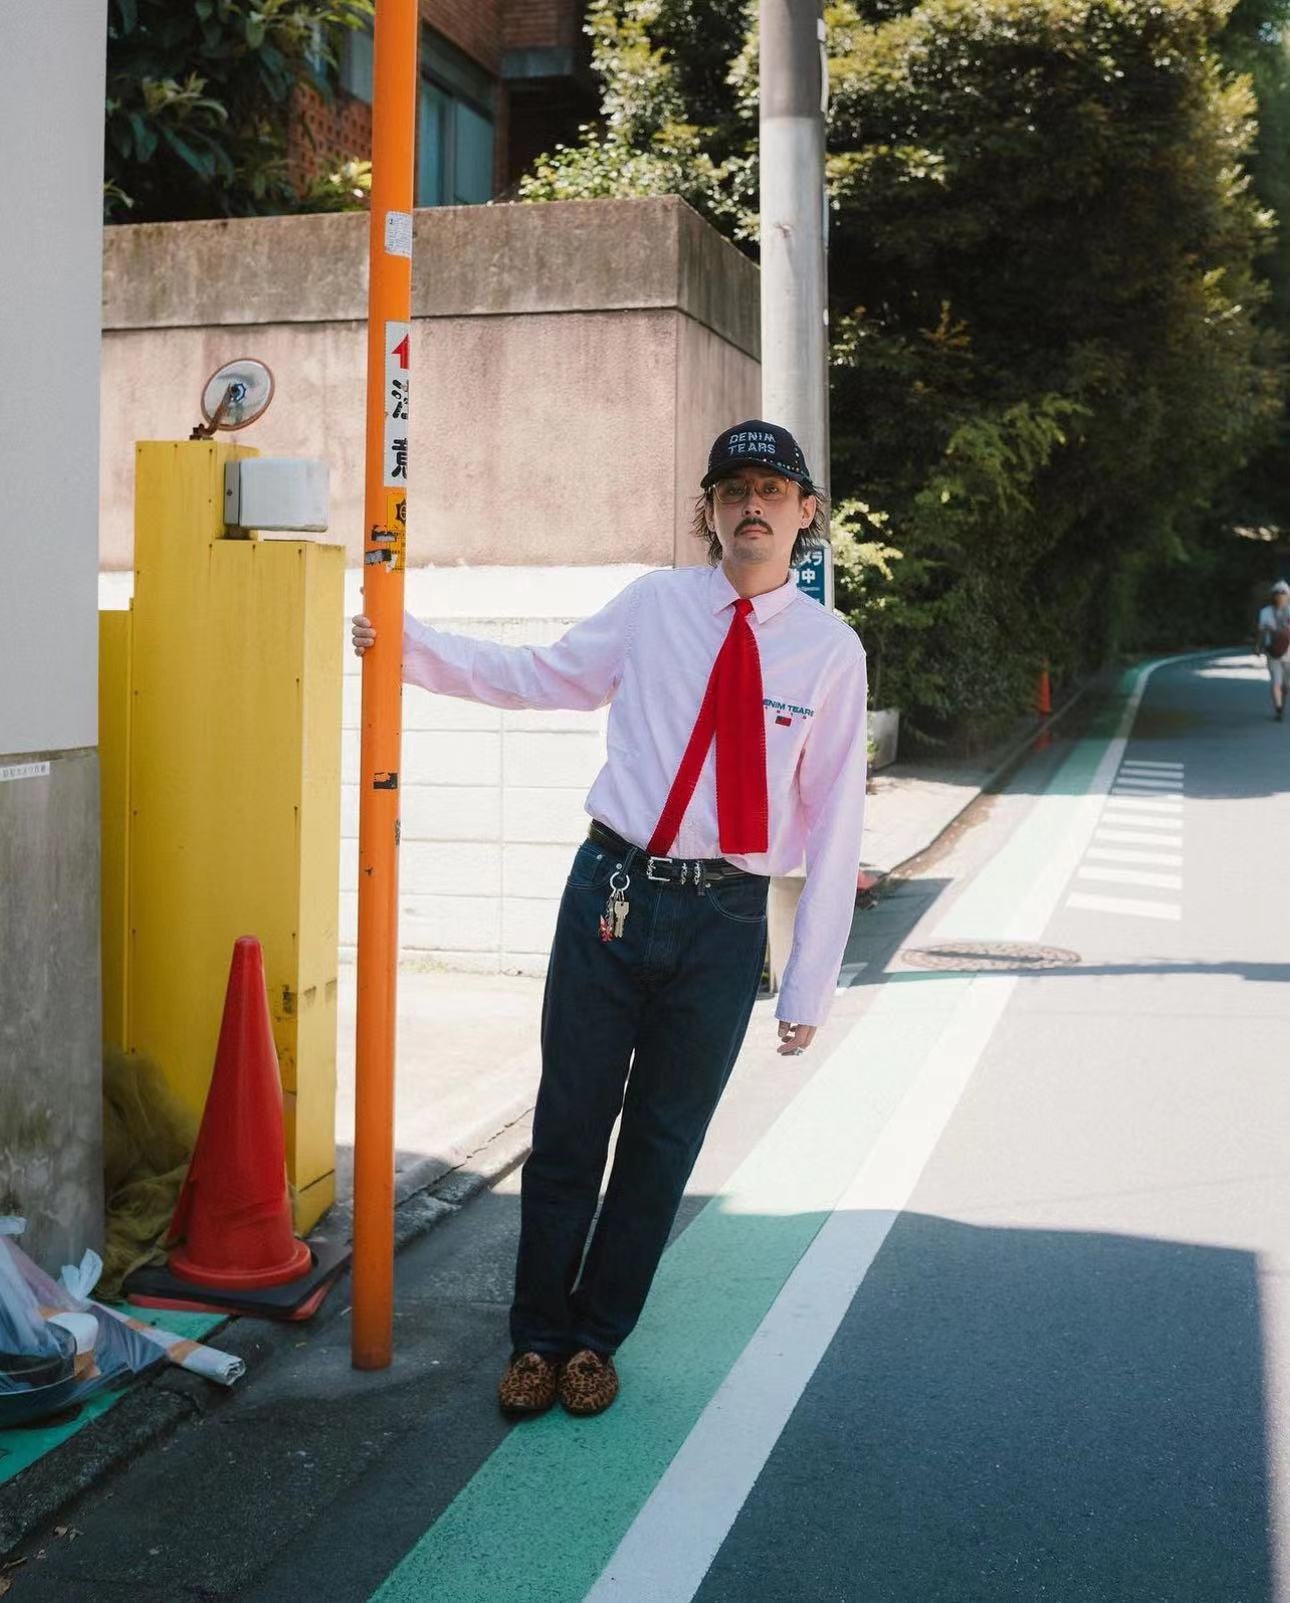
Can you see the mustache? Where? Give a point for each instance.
(752, 523)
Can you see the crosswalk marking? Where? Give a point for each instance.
(1121, 812)
(1112, 854)
(1131, 876)
(1137, 837)
(1123, 904)
(1144, 809)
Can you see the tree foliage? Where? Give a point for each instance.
(1054, 348)
(198, 96)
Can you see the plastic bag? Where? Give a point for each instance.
(119, 1352)
(31, 1354)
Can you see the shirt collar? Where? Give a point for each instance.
(722, 594)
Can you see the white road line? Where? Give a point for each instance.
(1142, 762)
(1150, 787)
(1123, 904)
(1131, 876)
(1110, 854)
(1120, 812)
(1145, 801)
(669, 1548)
(1135, 837)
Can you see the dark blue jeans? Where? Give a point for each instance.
(669, 1002)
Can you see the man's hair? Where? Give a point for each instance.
(811, 538)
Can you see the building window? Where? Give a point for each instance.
(355, 73)
(456, 102)
(455, 127)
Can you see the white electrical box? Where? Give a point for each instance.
(276, 492)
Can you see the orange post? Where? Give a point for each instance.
(389, 333)
(1043, 692)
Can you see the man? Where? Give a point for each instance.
(736, 748)
(1274, 642)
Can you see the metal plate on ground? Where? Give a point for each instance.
(988, 957)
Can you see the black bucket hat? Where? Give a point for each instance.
(757, 444)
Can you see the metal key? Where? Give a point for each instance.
(617, 908)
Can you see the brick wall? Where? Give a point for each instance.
(529, 24)
(530, 120)
(474, 26)
(324, 133)
(544, 112)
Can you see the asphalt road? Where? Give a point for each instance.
(983, 1299)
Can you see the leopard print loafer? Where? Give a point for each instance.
(588, 1383)
(529, 1384)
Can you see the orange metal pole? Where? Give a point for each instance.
(385, 527)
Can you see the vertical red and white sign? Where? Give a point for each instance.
(398, 342)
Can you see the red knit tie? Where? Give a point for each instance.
(732, 710)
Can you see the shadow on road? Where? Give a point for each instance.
(1023, 1414)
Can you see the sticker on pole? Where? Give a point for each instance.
(398, 342)
(388, 542)
(398, 233)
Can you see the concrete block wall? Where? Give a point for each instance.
(492, 797)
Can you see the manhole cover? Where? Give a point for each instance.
(988, 957)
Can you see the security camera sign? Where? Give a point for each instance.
(812, 575)
(398, 340)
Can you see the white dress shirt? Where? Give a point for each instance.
(649, 653)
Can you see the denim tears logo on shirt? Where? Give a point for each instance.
(787, 711)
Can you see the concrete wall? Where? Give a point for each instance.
(572, 364)
(50, 275)
(51, 1166)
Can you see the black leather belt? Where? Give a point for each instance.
(690, 871)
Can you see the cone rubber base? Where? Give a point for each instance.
(233, 1282)
(154, 1286)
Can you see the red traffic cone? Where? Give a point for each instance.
(233, 1212)
(1043, 692)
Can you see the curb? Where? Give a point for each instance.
(1012, 757)
(155, 1408)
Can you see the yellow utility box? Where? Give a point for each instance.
(221, 715)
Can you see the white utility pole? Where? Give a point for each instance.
(794, 220)
(794, 293)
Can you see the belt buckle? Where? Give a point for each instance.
(659, 879)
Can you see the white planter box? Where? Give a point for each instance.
(884, 727)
